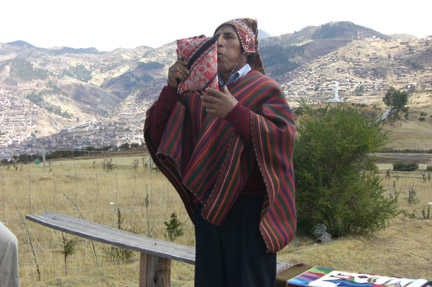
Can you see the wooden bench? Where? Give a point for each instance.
(156, 255)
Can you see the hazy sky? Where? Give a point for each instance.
(108, 24)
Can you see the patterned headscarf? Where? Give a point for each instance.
(247, 31)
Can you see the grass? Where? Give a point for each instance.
(402, 249)
(87, 188)
(83, 188)
(413, 133)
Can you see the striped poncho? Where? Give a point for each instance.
(206, 160)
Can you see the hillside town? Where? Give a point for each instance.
(360, 76)
(17, 116)
(125, 127)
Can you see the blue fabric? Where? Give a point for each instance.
(236, 76)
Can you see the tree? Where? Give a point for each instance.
(173, 227)
(124, 146)
(68, 249)
(396, 101)
(337, 182)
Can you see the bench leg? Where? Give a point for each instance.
(154, 271)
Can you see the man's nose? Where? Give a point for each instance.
(220, 40)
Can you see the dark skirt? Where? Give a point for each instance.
(233, 253)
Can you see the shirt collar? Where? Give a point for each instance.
(236, 76)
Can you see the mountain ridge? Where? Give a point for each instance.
(65, 87)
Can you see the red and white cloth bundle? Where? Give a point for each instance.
(201, 54)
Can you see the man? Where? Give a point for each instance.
(228, 153)
(8, 258)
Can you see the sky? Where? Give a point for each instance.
(108, 24)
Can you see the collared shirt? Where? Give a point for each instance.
(236, 76)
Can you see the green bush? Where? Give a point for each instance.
(118, 254)
(173, 228)
(396, 100)
(124, 146)
(429, 168)
(402, 166)
(337, 182)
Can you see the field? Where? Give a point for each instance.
(403, 248)
(125, 192)
(119, 192)
(414, 133)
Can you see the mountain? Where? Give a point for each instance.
(289, 51)
(21, 44)
(263, 35)
(64, 97)
(55, 51)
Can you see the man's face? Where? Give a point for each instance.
(228, 49)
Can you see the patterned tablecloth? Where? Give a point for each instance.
(301, 275)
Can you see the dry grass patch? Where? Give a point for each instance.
(83, 188)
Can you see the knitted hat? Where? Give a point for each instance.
(247, 31)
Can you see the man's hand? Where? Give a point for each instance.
(218, 103)
(177, 73)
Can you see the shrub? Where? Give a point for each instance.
(412, 196)
(108, 164)
(402, 166)
(429, 168)
(124, 146)
(337, 182)
(118, 254)
(173, 227)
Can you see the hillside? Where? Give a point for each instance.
(414, 133)
(284, 53)
(69, 98)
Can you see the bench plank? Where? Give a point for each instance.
(121, 238)
(117, 237)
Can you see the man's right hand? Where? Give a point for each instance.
(177, 73)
